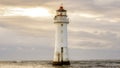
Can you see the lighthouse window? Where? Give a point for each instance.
(64, 13)
(61, 24)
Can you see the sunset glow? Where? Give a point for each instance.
(31, 12)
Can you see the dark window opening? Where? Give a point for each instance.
(61, 24)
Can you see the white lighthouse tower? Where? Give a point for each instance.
(61, 50)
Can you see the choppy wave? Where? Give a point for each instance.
(48, 64)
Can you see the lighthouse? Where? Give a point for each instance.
(61, 21)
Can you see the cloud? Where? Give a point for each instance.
(27, 25)
(23, 2)
(106, 2)
(16, 46)
(96, 18)
(95, 40)
(94, 28)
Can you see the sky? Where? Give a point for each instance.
(27, 31)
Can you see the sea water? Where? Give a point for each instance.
(48, 64)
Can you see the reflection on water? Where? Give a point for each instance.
(48, 64)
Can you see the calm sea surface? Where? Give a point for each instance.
(48, 64)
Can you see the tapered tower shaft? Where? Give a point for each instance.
(61, 50)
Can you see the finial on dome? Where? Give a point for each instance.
(61, 4)
(61, 8)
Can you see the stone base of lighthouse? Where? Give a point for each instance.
(61, 56)
(61, 63)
